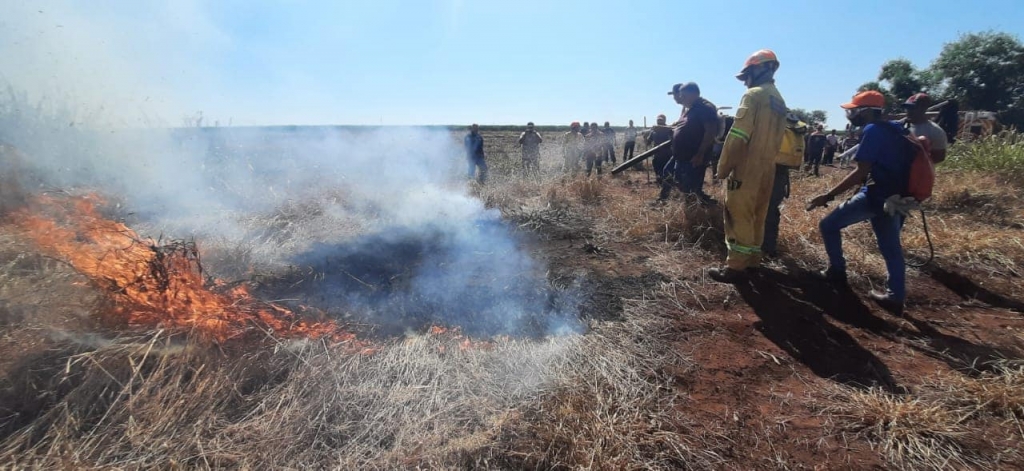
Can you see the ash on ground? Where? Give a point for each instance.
(477, 277)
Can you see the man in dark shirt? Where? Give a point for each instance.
(814, 150)
(630, 138)
(530, 140)
(593, 148)
(474, 144)
(660, 133)
(692, 139)
(609, 143)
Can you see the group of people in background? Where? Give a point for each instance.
(822, 149)
(747, 153)
(591, 145)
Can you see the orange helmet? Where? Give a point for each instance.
(764, 56)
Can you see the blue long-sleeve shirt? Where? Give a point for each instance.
(474, 145)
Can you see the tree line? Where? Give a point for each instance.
(981, 71)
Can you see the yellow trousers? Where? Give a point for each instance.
(746, 206)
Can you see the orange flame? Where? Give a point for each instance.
(153, 285)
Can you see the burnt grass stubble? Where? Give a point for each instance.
(74, 401)
(69, 395)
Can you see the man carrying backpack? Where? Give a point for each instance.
(884, 159)
(748, 165)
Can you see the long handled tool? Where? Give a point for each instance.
(647, 153)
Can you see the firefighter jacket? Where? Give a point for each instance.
(748, 165)
(756, 134)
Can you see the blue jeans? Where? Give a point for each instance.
(887, 231)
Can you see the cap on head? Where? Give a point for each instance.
(918, 100)
(868, 99)
(763, 56)
(685, 87)
(574, 124)
(530, 123)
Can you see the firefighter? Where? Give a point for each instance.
(748, 165)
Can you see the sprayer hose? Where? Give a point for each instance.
(931, 248)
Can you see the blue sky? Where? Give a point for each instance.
(455, 62)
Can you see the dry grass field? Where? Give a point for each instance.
(668, 370)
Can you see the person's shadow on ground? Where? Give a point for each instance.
(844, 305)
(801, 329)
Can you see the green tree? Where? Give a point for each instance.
(890, 100)
(819, 116)
(985, 71)
(901, 78)
(810, 117)
(898, 79)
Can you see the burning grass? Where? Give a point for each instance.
(153, 284)
(440, 400)
(436, 400)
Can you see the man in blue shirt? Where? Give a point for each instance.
(474, 143)
(884, 161)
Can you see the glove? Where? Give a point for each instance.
(902, 205)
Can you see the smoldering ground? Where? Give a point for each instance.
(372, 224)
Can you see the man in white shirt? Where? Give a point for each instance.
(920, 125)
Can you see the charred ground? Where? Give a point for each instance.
(780, 372)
